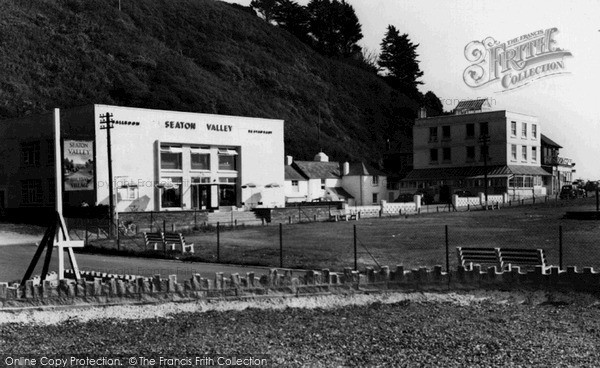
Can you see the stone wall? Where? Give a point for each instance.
(102, 288)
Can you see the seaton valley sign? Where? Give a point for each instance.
(192, 126)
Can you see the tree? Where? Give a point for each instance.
(433, 104)
(334, 28)
(292, 17)
(398, 59)
(265, 8)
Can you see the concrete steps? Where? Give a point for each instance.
(233, 217)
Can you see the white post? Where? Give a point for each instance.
(62, 234)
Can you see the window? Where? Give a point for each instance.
(227, 159)
(485, 150)
(295, 186)
(533, 131)
(200, 158)
(470, 153)
(322, 184)
(433, 134)
(31, 191)
(375, 180)
(524, 153)
(170, 157)
(433, 155)
(446, 132)
(446, 154)
(171, 192)
(30, 154)
(227, 192)
(524, 130)
(470, 130)
(534, 154)
(513, 151)
(375, 198)
(483, 129)
(513, 128)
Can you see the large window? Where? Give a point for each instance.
(375, 180)
(446, 132)
(485, 153)
(227, 159)
(433, 155)
(524, 153)
(447, 154)
(470, 130)
(200, 158)
(533, 131)
(170, 157)
(171, 192)
(433, 134)
(513, 128)
(470, 153)
(513, 151)
(227, 191)
(524, 130)
(375, 198)
(534, 154)
(484, 129)
(31, 191)
(30, 154)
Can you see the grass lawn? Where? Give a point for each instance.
(412, 241)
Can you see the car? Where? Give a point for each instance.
(427, 196)
(568, 191)
(463, 193)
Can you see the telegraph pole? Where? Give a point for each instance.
(108, 124)
(484, 139)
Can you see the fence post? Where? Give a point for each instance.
(447, 253)
(151, 221)
(560, 247)
(218, 242)
(355, 255)
(280, 245)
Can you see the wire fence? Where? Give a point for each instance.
(412, 241)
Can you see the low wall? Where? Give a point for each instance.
(154, 221)
(94, 288)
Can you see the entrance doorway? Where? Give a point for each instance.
(201, 196)
(227, 195)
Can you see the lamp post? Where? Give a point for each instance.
(484, 140)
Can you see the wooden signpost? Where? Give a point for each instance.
(57, 234)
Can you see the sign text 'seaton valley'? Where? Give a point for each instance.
(192, 126)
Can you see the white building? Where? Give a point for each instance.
(321, 180)
(161, 160)
(450, 152)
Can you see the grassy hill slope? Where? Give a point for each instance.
(191, 55)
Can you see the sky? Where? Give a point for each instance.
(566, 104)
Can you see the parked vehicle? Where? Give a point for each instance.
(568, 191)
(405, 197)
(427, 196)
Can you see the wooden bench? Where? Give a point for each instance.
(523, 257)
(154, 240)
(337, 215)
(176, 240)
(501, 257)
(481, 256)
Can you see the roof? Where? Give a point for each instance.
(474, 172)
(360, 168)
(318, 170)
(549, 142)
(292, 174)
(339, 192)
(471, 105)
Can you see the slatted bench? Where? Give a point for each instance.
(481, 256)
(528, 258)
(337, 215)
(176, 240)
(154, 240)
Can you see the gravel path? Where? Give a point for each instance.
(413, 329)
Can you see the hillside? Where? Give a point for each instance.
(192, 55)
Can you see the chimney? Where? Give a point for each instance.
(422, 113)
(346, 169)
(288, 160)
(321, 157)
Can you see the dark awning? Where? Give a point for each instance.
(474, 172)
